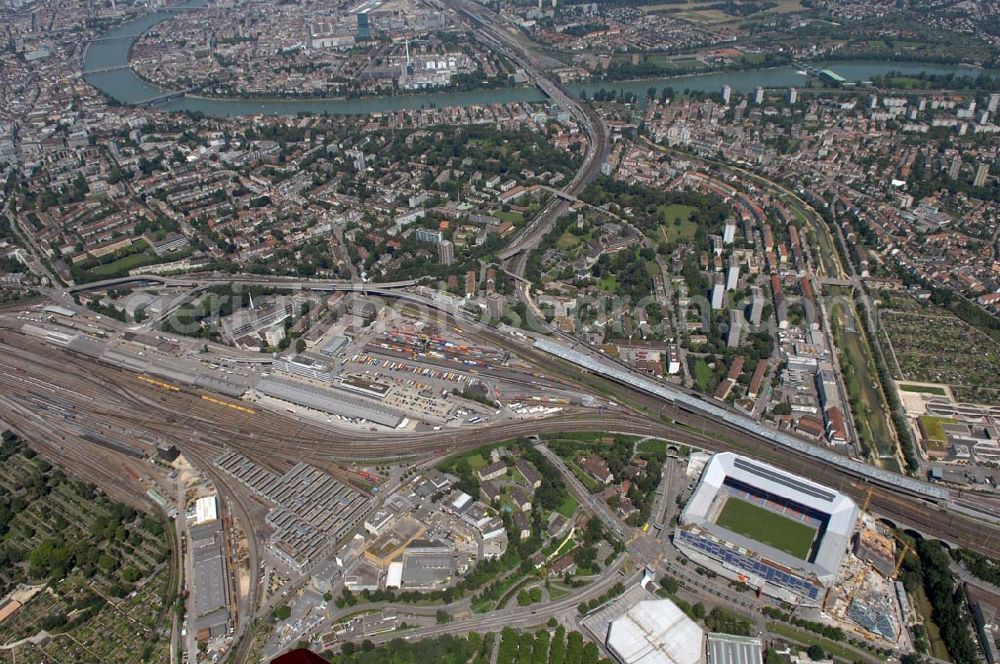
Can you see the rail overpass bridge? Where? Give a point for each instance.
(143, 281)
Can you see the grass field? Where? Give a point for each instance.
(925, 389)
(123, 264)
(860, 378)
(677, 225)
(933, 427)
(924, 608)
(702, 12)
(567, 506)
(608, 283)
(760, 525)
(475, 458)
(702, 374)
(513, 217)
(568, 241)
(651, 446)
(476, 461)
(664, 60)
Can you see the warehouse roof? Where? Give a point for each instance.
(730, 649)
(328, 401)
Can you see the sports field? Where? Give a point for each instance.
(792, 537)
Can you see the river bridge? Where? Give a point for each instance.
(104, 70)
(164, 98)
(114, 37)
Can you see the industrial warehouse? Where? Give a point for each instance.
(311, 512)
(767, 528)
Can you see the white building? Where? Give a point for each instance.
(718, 295)
(729, 232)
(205, 509)
(656, 632)
(733, 274)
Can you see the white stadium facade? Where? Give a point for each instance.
(804, 579)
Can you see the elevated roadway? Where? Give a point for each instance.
(508, 40)
(216, 279)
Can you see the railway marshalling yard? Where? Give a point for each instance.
(107, 420)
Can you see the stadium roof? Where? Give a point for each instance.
(656, 632)
(841, 510)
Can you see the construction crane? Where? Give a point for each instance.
(907, 547)
(868, 499)
(902, 557)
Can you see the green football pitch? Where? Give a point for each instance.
(785, 534)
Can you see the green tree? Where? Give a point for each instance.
(698, 611)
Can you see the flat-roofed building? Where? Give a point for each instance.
(311, 511)
(378, 522)
(656, 632)
(205, 510)
(210, 579)
(426, 565)
(394, 575)
(390, 545)
(731, 649)
(338, 403)
(305, 367)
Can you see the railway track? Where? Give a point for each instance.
(192, 423)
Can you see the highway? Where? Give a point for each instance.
(594, 503)
(509, 41)
(522, 617)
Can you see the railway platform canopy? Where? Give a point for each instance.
(619, 373)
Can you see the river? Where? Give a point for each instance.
(112, 49)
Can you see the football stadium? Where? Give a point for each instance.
(770, 529)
